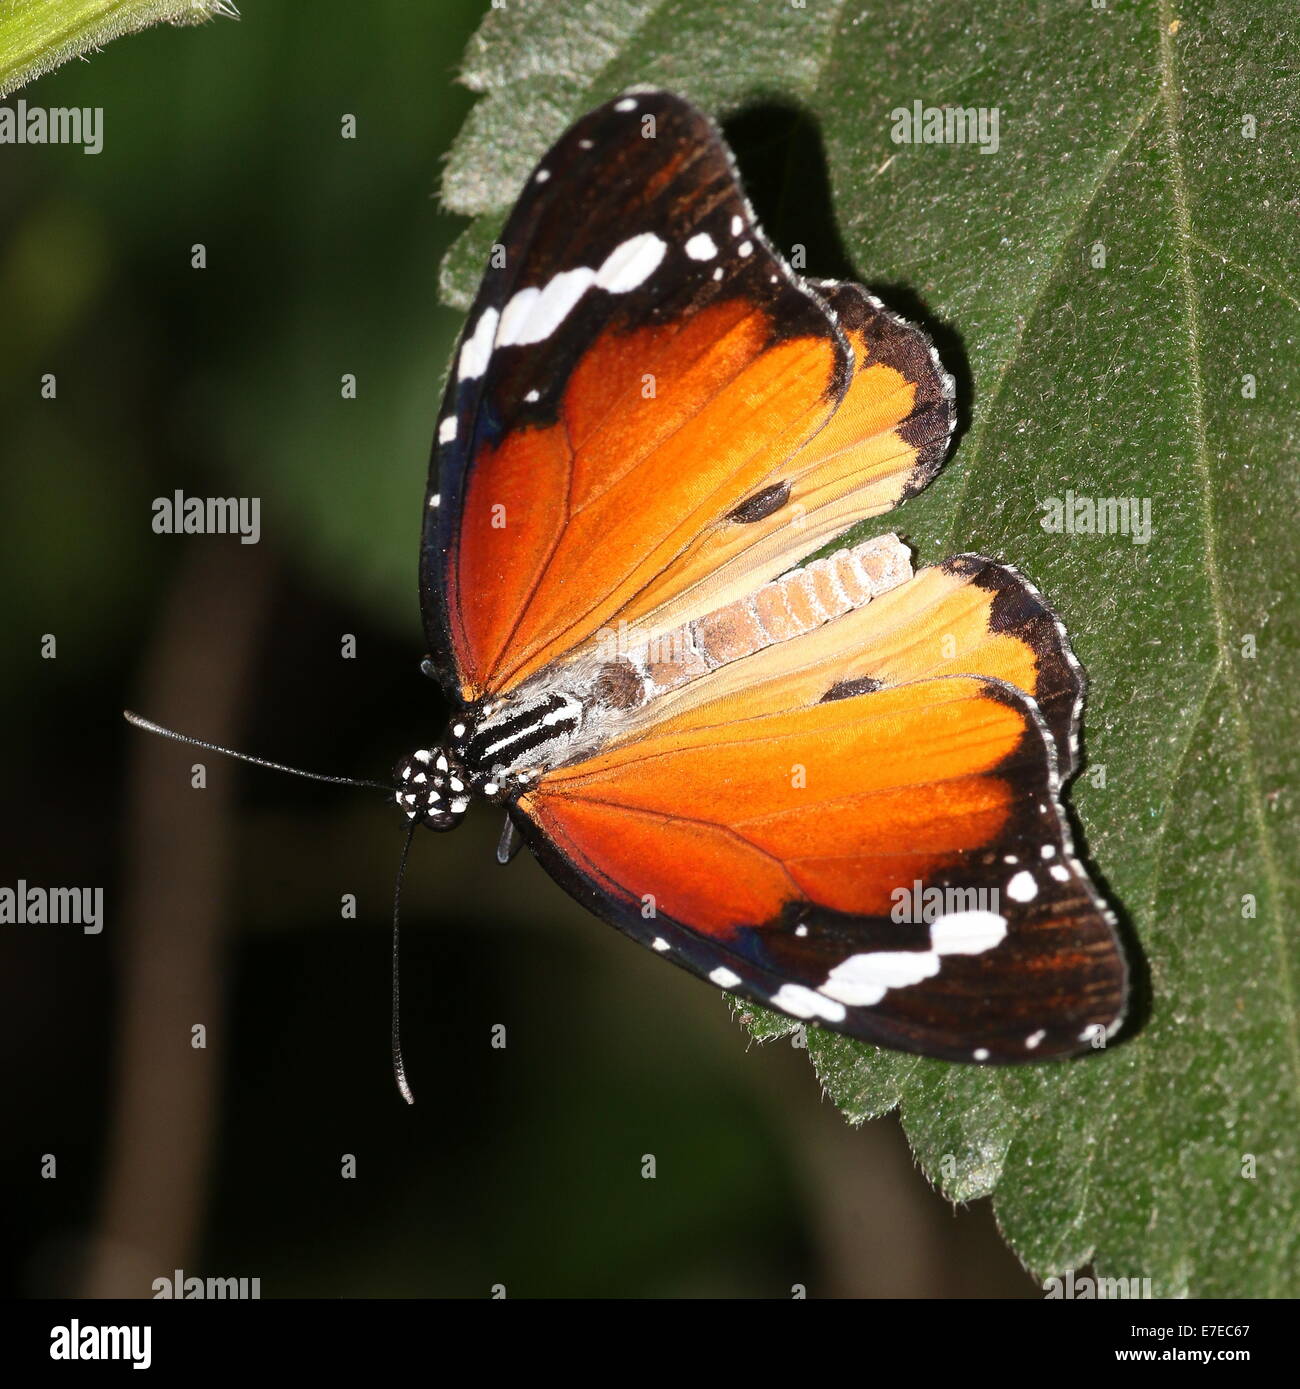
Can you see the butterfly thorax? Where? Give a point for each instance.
(496, 749)
(507, 742)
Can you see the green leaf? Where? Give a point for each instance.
(37, 36)
(1107, 286)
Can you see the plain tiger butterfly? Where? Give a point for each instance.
(829, 785)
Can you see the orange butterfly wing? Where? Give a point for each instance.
(788, 856)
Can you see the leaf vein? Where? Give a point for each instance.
(1184, 240)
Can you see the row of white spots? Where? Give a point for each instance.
(863, 980)
(533, 314)
(1024, 888)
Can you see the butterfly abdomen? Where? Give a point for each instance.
(790, 606)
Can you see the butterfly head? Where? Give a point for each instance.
(432, 787)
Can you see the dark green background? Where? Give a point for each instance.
(520, 1167)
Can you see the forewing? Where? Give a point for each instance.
(637, 364)
(649, 413)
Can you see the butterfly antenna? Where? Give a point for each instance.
(150, 727)
(399, 1066)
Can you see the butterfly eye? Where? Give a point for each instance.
(432, 788)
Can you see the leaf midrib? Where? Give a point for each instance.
(1185, 239)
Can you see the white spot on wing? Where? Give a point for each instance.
(967, 933)
(659, 943)
(1060, 872)
(627, 104)
(1022, 888)
(724, 978)
(632, 263)
(807, 1003)
(447, 430)
(477, 348)
(533, 314)
(1033, 1039)
(701, 247)
(862, 980)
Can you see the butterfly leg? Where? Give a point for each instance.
(508, 844)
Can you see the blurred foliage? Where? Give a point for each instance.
(36, 36)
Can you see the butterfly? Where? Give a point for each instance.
(829, 785)
(784, 760)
